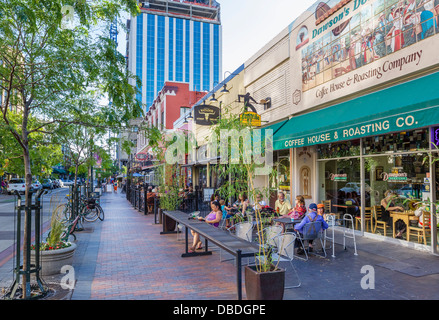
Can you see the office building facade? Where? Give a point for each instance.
(175, 41)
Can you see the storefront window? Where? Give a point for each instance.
(340, 182)
(339, 150)
(283, 171)
(416, 140)
(404, 176)
(217, 178)
(202, 177)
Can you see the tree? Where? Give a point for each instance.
(59, 75)
(80, 143)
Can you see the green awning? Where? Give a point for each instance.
(408, 106)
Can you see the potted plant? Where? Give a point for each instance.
(54, 252)
(264, 280)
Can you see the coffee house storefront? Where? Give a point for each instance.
(359, 157)
(364, 114)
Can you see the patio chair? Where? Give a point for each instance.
(422, 233)
(331, 220)
(376, 222)
(367, 219)
(243, 230)
(285, 244)
(312, 231)
(269, 233)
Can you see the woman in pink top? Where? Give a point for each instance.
(214, 218)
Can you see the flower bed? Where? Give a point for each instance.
(57, 246)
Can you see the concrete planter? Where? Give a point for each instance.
(264, 285)
(52, 261)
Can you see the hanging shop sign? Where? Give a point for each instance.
(251, 119)
(395, 177)
(205, 115)
(339, 177)
(142, 156)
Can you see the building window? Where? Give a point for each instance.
(171, 50)
(197, 56)
(206, 56)
(161, 40)
(150, 62)
(139, 53)
(179, 49)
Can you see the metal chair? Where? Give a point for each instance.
(269, 233)
(330, 219)
(312, 231)
(243, 230)
(285, 244)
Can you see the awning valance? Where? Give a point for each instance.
(408, 106)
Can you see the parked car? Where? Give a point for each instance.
(408, 191)
(354, 187)
(17, 184)
(47, 184)
(61, 183)
(36, 185)
(68, 183)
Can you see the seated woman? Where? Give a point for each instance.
(214, 218)
(299, 211)
(241, 204)
(387, 205)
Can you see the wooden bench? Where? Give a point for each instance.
(237, 247)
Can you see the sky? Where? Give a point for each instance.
(248, 25)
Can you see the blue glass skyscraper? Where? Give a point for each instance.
(175, 41)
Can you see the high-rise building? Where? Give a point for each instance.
(178, 41)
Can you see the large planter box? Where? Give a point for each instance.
(52, 261)
(264, 285)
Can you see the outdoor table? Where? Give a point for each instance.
(287, 221)
(405, 216)
(237, 247)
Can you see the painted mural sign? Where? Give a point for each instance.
(348, 45)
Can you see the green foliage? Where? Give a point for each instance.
(57, 228)
(239, 177)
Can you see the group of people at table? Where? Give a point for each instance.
(283, 208)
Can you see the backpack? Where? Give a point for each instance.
(311, 230)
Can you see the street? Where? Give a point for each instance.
(8, 219)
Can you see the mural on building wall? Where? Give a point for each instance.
(350, 34)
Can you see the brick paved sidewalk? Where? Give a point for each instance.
(125, 257)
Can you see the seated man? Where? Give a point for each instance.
(312, 216)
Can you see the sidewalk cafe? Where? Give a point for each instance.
(370, 164)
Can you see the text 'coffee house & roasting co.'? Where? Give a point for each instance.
(364, 120)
